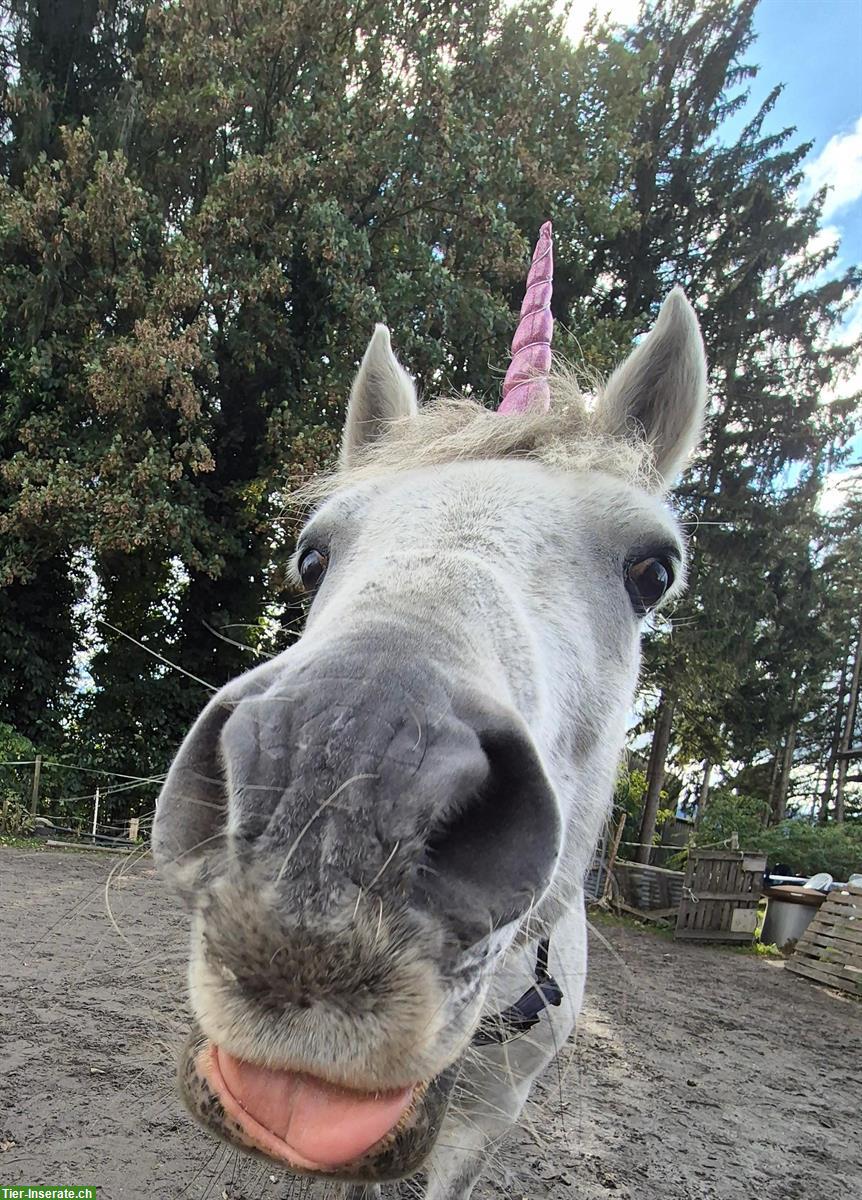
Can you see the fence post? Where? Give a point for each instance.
(612, 857)
(95, 812)
(37, 775)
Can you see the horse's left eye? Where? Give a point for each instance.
(312, 568)
(647, 581)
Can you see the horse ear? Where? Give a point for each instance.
(382, 392)
(659, 392)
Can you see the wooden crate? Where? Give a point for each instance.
(720, 896)
(830, 949)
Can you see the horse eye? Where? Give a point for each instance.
(312, 568)
(647, 581)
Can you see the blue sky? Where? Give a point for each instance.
(814, 47)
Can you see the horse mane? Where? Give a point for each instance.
(568, 437)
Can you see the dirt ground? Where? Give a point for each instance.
(697, 1073)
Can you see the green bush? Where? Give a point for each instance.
(802, 847)
(15, 819)
(728, 813)
(13, 745)
(15, 782)
(807, 849)
(629, 795)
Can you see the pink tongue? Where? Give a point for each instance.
(304, 1120)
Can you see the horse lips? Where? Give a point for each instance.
(299, 1119)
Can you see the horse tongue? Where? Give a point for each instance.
(317, 1124)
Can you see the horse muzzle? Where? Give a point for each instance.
(312, 1126)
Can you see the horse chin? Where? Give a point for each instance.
(399, 1153)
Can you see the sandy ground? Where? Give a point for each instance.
(697, 1073)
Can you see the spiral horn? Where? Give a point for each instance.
(526, 384)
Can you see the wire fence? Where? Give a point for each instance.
(38, 795)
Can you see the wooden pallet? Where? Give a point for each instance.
(720, 896)
(830, 949)
(647, 887)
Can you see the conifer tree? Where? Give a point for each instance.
(206, 250)
(204, 208)
(723, 220)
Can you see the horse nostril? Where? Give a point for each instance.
(494, 856)
(191, 812)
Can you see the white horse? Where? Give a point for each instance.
(382, 833)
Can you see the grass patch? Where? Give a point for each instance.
(758, 949)
(611, 920)
(28, 843)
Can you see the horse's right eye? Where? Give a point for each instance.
(647, 581)
(312, 568)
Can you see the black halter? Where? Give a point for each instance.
(514, 1021)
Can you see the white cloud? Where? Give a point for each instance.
(852, 330)
(838, 166)
(849, 382)
(837, 486)
(826, 238)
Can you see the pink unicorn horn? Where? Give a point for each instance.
(526, 383)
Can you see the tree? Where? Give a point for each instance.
(205, 207)
(723, 220)
(240, 192)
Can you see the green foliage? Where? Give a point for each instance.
(14, 745)
(629, 793)
(630, 790)
(15, 820)
(663, 815)
(728, 813)
(807, 849)
(201, 217)
(761, 633)
(14, 814)
(204, 207)
(14, 780)
(756, 948)
(802, 847)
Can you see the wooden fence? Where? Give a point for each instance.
(830, 949)
(720, 896)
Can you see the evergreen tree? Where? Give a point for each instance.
(204, 208)
(204, 255)
(723, 220)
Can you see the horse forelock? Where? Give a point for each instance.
(566, 438)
